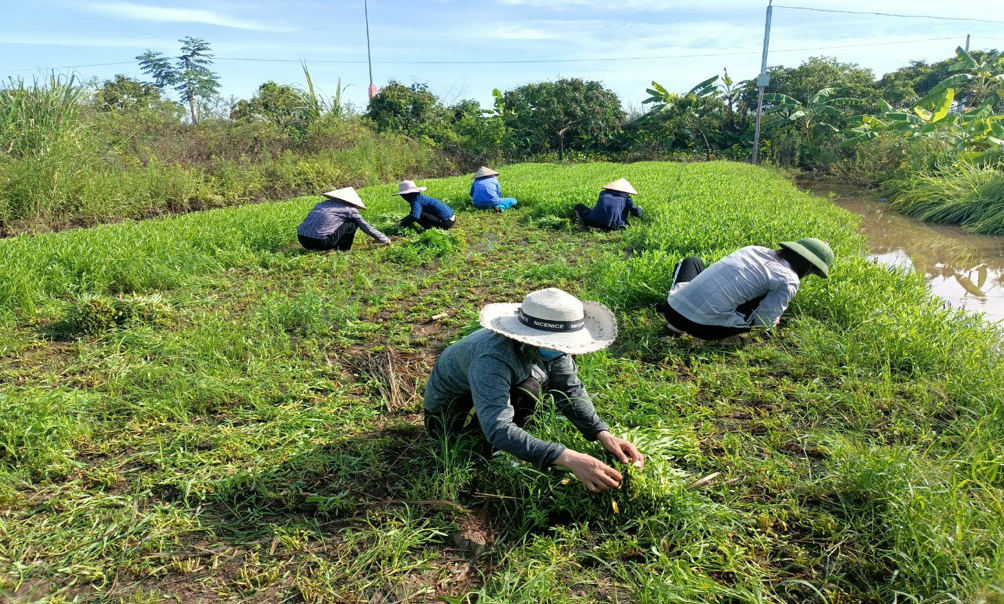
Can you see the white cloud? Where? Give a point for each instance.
(139, 12)
(520, 32)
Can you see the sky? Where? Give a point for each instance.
(464, 49)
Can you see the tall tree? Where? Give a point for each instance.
(413, 110)
(814, 74)
(189, 74)
(569, 113)
(984, 75)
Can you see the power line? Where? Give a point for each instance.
(70, 66)
(855, 12)
(709, 43)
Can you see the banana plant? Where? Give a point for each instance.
(811, 115)
(698, 112)
(985, 77)
(975, 135)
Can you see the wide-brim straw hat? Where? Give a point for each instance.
(408, 186)
(552, 318)
(815, 251)
(621, 185)
(348, 195)
(483, 171)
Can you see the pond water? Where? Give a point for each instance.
(964, 269)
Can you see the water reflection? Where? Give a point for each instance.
(964, 269)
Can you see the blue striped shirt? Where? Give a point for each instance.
(330, 214)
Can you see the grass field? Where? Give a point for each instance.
(195, 410)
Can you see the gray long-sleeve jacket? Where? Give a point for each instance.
(485, 366)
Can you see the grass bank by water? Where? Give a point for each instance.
(962, 194)
(195, 409)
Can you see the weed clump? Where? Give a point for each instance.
(431, 244)
(550, 223)
(92, 314)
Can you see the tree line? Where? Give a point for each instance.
(806, 107)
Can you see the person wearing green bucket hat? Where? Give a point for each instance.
(749, 288)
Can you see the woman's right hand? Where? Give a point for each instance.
(596, 475)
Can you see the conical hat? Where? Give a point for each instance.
(621, 185)
(348, 195)
(483, 171)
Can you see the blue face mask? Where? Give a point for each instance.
(549, 354)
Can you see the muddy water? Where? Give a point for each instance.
(964, 269)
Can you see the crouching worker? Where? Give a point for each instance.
(488, 385)
(332, 223)
(749, 288)
(428, 212)
(486, 192)
(612, 208)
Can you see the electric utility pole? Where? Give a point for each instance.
(967, 42)
(762, 81)
(369, 57)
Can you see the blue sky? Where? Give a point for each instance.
(680, 42)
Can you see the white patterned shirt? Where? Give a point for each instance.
(750, 272)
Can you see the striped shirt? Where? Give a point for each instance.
(330, 214)
(714, 295)
(484, 366)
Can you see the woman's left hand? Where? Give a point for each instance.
(622, 449)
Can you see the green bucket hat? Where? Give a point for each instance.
(816, 252)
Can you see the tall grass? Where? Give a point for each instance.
(36, 119)
(64, 162)
(964, 194)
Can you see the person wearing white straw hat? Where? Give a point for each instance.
(488, 385)
(486, 192)
(749, 288)
(428, 212)
(612, 208)
(332, 223)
